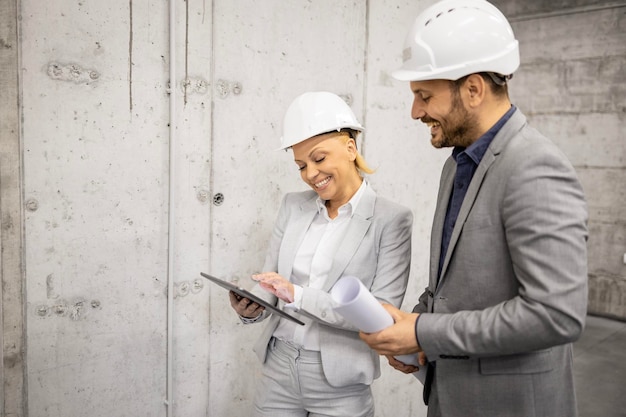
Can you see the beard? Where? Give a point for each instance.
(458, 128)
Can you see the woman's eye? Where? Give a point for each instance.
(301, 167)
(318, 160)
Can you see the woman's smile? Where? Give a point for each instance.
(321, 185)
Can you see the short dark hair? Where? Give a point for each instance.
(497, 83)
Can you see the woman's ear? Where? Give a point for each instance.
(351, 148)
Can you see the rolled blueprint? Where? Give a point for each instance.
(358, 306)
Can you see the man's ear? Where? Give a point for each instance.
(475, 89)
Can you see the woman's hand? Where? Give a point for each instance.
(406, 368)
(244, 307)
(277, 285)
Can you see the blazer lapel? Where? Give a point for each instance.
(359, 224)
(294, 235)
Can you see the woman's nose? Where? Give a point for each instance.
(310, 172)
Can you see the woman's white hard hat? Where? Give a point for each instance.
(455, 38)
(313, 113)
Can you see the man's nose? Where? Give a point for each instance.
(417, 111)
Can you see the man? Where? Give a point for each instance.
(507, 291)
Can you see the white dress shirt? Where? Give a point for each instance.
(312, 265)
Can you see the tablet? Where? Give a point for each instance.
(247, 294)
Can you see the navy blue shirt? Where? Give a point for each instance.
(467, 160)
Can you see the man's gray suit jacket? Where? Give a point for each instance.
(512, 294)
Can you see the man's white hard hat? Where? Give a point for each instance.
(455, 38)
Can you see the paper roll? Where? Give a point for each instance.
(358, 306)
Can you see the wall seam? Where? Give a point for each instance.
(566, 12)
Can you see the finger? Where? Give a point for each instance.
(393, 361)
(262, 276)
(236, 302)
(395, 313)
(267, 287)
(400, 366)
(251, 308)
(233, 298)
(408, 369)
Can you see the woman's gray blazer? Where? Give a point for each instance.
(376, 249)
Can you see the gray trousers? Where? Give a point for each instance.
(293, 385)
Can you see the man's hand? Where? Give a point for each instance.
(277, 285)
(397, 339)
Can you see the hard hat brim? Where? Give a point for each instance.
(358, 128)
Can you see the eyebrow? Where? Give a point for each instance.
(310, 154)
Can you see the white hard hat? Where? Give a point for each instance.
(455, 38)
(314, 113)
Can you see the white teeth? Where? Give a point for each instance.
(322, 183)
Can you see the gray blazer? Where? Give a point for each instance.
(513, 290)
(376, 249)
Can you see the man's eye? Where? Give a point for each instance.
(425, 99)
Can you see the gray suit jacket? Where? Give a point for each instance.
(512, 294)
(376, 249)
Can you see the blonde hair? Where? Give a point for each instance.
(360, 163)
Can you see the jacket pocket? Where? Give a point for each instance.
(523, 363)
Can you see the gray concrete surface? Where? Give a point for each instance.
(87, 214)
(600, 368)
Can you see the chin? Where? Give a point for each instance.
(436, 142)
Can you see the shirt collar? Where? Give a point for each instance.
(350, 206)
(477, 150)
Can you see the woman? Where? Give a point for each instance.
(340, 228)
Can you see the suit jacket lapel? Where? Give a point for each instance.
(445, 192)
(515, 123)
(466, 207)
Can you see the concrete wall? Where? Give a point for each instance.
(120, 213)
(12, 337)
(572, 85)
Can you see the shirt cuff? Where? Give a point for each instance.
(248, 320)
(297, 298)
